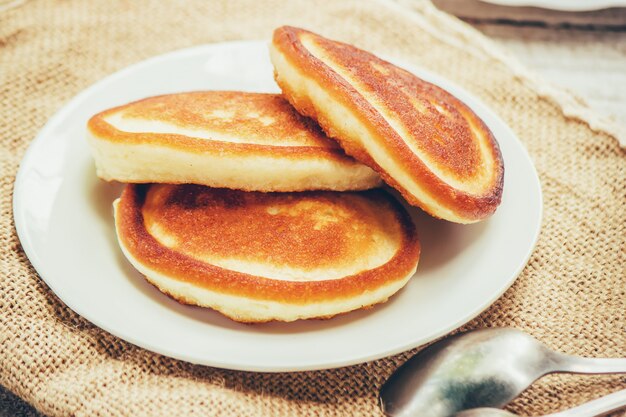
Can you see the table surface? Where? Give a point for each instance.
(582, 52)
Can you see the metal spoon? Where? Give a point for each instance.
(598, 407)
(482, 368)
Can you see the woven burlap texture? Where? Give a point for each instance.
(571, 295)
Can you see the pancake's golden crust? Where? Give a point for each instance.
(296, 230)
(438, 124)
(266, 119)
(190, 110)
(133, 234)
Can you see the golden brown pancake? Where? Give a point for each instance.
(247, 141)
(257, 257)
(421, 139)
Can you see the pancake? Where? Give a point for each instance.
(422, 140)
(247, 141)
(258, 257)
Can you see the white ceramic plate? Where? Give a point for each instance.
(562, 5)
(64, 219)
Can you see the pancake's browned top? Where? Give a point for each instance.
(224, 122)
(435, 121)
(258, 117)
(306, 231)
(302, 247)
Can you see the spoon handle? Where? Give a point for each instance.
(580, 365)
(599, 407)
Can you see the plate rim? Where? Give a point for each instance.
(69, 106)
(570, 6)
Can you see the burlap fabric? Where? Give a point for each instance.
(572, 294)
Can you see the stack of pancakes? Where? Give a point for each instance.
(266, 207)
